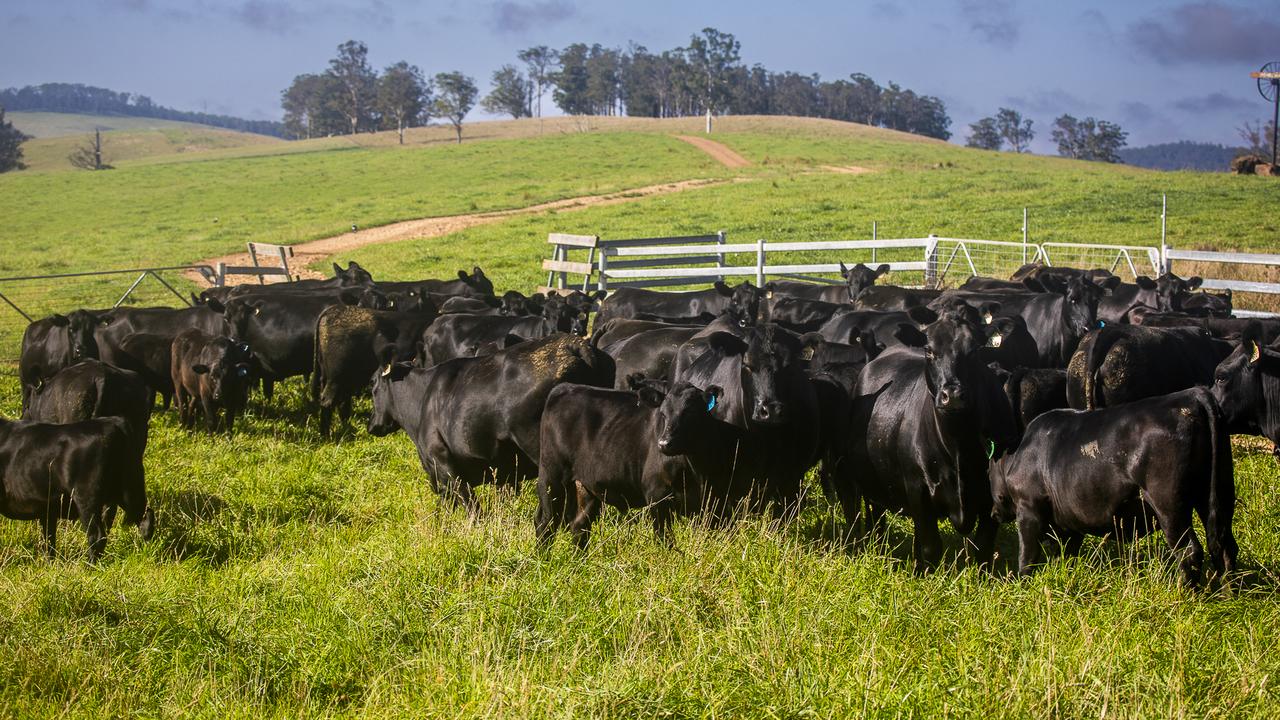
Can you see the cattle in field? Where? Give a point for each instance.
(847, 324)
(151, 356)
(1246, 385)
(680, 307)
(1166, 293)
(1037, 272)
(350, 345)
(630, 449)
(212, 375)
(926, 419)
(75, 471)
(353, 276)
(1122, 363)
(476, 420)
(649, 354)
(281, 331)
(611, 331)
(856, 279)
(1124, 470)
(53, 343)
(91, 389)
(1207, 304)
(475, 284)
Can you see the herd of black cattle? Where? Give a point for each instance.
(1066, 400)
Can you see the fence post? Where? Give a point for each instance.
(931, 261)
(1164, 238)
(1024, 236)
(222, 275)
(720, 254)
(602, 265)
(760, 262)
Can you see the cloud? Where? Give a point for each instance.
(1205, 32)
(1213, 102)
(1138, 112)
(995, 21)
(885, 11)
(267, 15)
(1052, 102)
(507, 16)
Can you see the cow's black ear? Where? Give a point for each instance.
(1145, 282)
(722, 288)
(870, 345)
(1110, 284)
(477, 272)
(200, 369)
(1000, 373)
(337, 271)
(1052, 283)
(599, 295)
(1033, 285)
(998, 330)
(922, 315)
(988, 312)
(59, 320)
(712, 394)
(1194, 282)
(881, 269)
(726, 343)
(844, 271)
(464, 277)
(910, 336)
(650, 396)
(810, 342)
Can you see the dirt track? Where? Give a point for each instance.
(724, 155)
(307, 253)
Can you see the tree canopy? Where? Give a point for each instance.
(11, 139)
(455, 96)
(1088, 139)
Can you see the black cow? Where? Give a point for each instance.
(119, 323)
(1037, 271)
(1121, 363)
(151, 356)
(803, 315)
(76, 471)
(350, 345)
(892, 297)
(649, 354)
(353, 276)
(1118, 469)
(847, 324)
(611, 331)
(214, 371)
(91, 389)
(1032, 391)
(1207, 304)
(477, 419)
(479, 305)
(770, 403)
(629, 449)
(281, 331)
(1165, 293)
(466, 285)
(53, 343)
(856, 279)
(925, 422)
(456, 335)
(678, 307)
(1246, 385)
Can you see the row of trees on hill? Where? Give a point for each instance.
(1087, 139)
(89, 100)
(351, 97)
(705, 76)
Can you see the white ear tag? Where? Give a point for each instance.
(386, 371)
(995, 340)
(986, 318)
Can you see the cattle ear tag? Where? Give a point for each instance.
(386, 370)
(769, 294)
(991, 449)
(257, 310)
(986, 318)
(807, 353)
(711, 404)
(1256, 353)
(995, 340)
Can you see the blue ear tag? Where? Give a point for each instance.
(1102, 323)
(241, 372)
(711, 405)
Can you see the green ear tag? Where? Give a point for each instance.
(991, 449)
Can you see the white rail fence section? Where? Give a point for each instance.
(265, 251)
(929, 261)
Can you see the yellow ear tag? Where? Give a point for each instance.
(807, 354)
(1256, 354)
(386, 371)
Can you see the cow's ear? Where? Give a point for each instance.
(1194, 282)
(998, 330)
(722, 288)
(59, 320)
(922, 315)
(870, 345)
(1110, 284)
(910, 336)
(844, 271)
(337, 271)
(464, 277)
(1251, 341)
(712, 394)
(1000, 373)
(650, 395)
(726, 343)
(200, 369)
(1052, 283)
(988, 312)
(810, 342)
(1145, 282)
(476, 272)
(882, 269)
(599, 295)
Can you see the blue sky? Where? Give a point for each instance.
(1164, 71)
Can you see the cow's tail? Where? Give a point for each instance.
(317, 364)
(1222, 490)
(1095, 347)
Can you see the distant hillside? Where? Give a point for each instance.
(89, 100)
(1182, 155)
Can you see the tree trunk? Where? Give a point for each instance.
(400, 129)
(97, 149)
(458, 128)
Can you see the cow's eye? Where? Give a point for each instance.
(1220, 379)
(928, 352)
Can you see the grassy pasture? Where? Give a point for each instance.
(290, 577)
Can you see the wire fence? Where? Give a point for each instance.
(27, 298)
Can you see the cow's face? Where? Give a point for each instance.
(744, 301)
(228, 370)
(681, 413)
(1170, 290)
(382, 421)
(240, 315)
(352, 275)
(476, 281)
(1241, 383)
(953, 364)
(1080, 304)
(80, 325)
(565, 317)
(770, 352)
(860, 277)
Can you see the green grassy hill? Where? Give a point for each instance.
(290, 577)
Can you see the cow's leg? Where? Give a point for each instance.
(928, 544)
(1030, 532)
(980, 547)
(1182, 539)
(344, 413)
(268, 389)
(661, 512)
(588, 511)
(326, 419)
(230, 420)
(108, 516)
(91, 520)
(1071, 543)
(49, 529)
(210, 414)
(166, 400)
